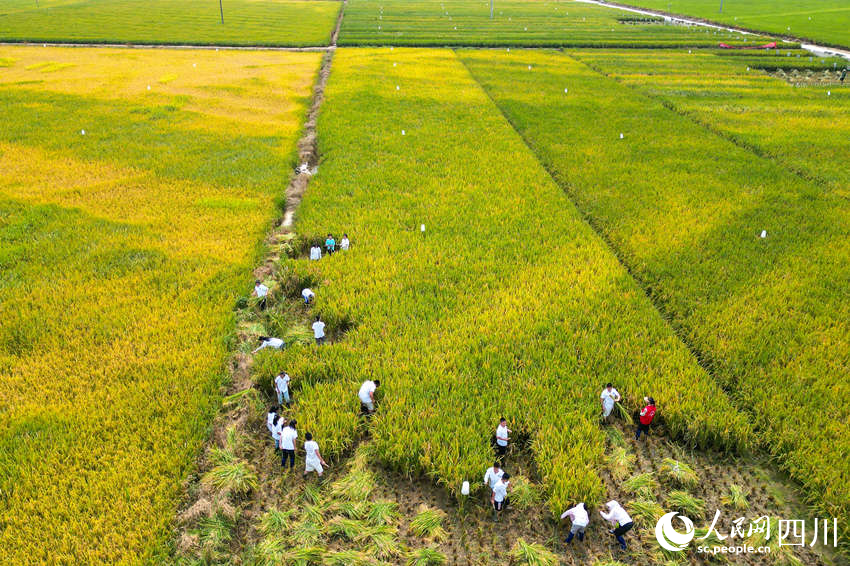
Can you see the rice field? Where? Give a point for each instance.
(515, 22)
(685, 209)
(291, 23)
(823, 21)
(135, 187)
(509, 305)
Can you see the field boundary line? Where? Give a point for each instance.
(810, 43)
(204, 46)
(701, 358)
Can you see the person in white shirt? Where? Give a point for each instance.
(287, 444)
(502, 438)
(609, 397)
(499, 495)
(308, 295)
(314, 460)
(344, 243)
(269, 342)
(261, 291)
(617, 516)
(493, 475)
(580, 519)
(319, 331)
(315, 253)
(270, 421)
(278, 424)
(367, 394)
(281, 387)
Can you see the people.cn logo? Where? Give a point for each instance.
(671, 539)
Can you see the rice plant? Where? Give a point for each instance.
(348, 558)
(425, 556)
(532, 554)
(524, 494)
(382, 512)
(645, 512)
(383, 545)
(641, 485)
(305, 533)
(620, 462)
(689, 505)
(679, 472)
(736, 498)
(615, 437)
(235, 477)
(428, 523)
(276, 522)
(348, 529)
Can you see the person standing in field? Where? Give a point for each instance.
(269, 342)
(319, 331)
(617, 516)
(580, 519)
(287, 444)
(270, 418)
(646, 416)
(281, 387)
(344, 243)
(502, 438)
(330, 244)
(308, 295)
(493, 475)
(499, 495)
(609, 397)
(367, 394)
(261, 291)
(314, 460)
(315, 253)
(278, 424)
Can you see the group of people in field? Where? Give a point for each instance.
(261, 291)
(285, 434)
(330, 247)
(497, 480)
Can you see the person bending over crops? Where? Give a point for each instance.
(314, 460)
(617, 516)
(319, 331)
(287, 444)
(493, 475)
(499, 495)
(260, 291)
(270, 418)
(281, 387)
(367, 394)
(609, 398)
(315, 253)
(308, 295)
(580, 519)
(502, 438)
(269, 342)
(344, 243)
(646, 416)
(330, 244)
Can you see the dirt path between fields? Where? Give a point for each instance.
(807, 44)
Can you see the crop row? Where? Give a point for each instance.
(686, 210)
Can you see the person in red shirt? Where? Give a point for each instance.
(646, 416)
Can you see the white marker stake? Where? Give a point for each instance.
(396, 87)
(529, 67)
(394, 64)
(764, 233)
(565, 91)
(82, 132)
(422, 229)
(621, 136)
(402, 132)
(464, 489)
(829, 93)
(194, 65)
(149, 87)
